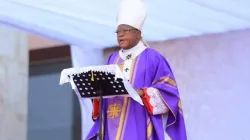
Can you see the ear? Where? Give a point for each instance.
(138, 33)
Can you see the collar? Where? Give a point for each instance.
(133, 52)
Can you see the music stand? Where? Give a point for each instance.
(99, 82)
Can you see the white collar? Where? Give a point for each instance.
(133, 52)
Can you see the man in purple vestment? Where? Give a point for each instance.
(161, 117)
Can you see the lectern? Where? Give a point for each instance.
(99, 82)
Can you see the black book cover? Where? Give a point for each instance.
(89, 84)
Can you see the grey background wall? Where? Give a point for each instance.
(13, 84)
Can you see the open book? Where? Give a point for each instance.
(89, 81)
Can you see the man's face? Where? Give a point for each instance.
(127, 36)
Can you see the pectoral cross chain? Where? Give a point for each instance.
(129, 56)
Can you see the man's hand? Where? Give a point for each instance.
(139, 92)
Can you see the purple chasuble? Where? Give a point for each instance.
(125, 119)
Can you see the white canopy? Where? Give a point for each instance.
(91, 23)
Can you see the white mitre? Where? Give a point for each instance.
(133, 13)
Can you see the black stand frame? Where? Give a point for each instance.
(101, 88)
(100, 91)
(100, 115)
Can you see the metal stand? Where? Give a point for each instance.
(100, 115)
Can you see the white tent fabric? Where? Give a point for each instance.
(92, 23)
